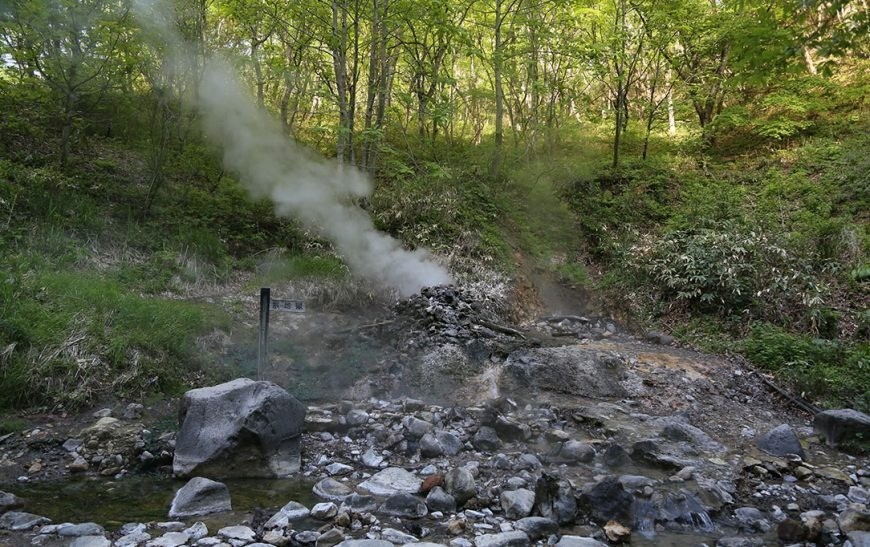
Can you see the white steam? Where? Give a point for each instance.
(317, 191)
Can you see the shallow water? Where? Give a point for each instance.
(144, 498)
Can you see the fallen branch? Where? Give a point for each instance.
(797, 401)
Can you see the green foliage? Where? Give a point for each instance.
(834, 372)
(299, 266)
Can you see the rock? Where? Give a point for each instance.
(79, 465)
(331, 489)
(751, 519)
(133, 411)
(200, 496)
(324, 511)
(450, 443)
(439, 500)
(392, 480)
(529, 462)
(504, 539)
(77, 530)
(430, 447)
(616, 456)
(577, 541)
(20, 521)
(859, 494)
(170, 539)
(537, 527)
(781, 441)
(859, 539)
(431, 482)
(356, 418)
(290, 512)
(576, 451)
(576, 370)
(607, 501)
(510, 429)
(416, 428)
(554, 498)
(242, 533)
(739, 542)
(486, 439)
(240, 429)
(616, 532)
(308, 537)
(371, 458)
(132, 539)
(361, 504)
(844, 425)
(791, 531)
(365, 543)
(852, 520)
(72, 445)
(655, 452)
(337, 469)
(396, 537)
(675, 428)
(404, 506)
(517, 503)
(459, 483)
(331, 537)
(276, 537)
(8, 502)
(197, 531)
(102, 413)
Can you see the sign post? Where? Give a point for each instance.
(267, 304)
(263, 347)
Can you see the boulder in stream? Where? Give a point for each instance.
(200, 496)
(239, 429)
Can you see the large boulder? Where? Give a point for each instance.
(781, 441)
(239, 429)
(200, 496)
(844, 425)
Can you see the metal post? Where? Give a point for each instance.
(262, 352)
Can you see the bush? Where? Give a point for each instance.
(834, 372)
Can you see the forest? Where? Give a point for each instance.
(702, 166)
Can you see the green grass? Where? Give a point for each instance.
(298, 266)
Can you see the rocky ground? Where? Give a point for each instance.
(565, 431)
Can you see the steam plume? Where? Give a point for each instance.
(317, 191)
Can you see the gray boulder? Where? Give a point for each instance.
(486, 439)
(844, 425)
(200, 496)
(239, 429)
(517, 503)
(404, 506)
(537, 527)
(781, 441)
(90, 541)
(577, 541)
(392, 480)
(331, 489)
(439, 500)
(19, 521)
(505, 539)
(554, 498)
(607, 501)
(459, 483)
(365, 543)
(8, 502)
(576, 451)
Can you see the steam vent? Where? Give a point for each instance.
(239, 429)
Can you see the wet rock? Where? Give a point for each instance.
(607, 501)
(843, 425)
(577, 541)
(517, 503)
(404, 506)
(392, 480)
(781, 441)
(8, 502)
(576, 452)
(241, 428)
(504, 539)
(331, 489)
(324, 511)
(200, 496)
(439, 500)
(290, 512)
(460, 483)
(537, 527)
(18, 521)
(655, 452)
(486, 439)
(554, 498)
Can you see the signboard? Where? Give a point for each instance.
(292, 306)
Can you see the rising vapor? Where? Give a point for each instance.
(317, 191)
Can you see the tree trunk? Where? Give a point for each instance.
(499, 92)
